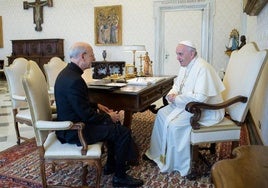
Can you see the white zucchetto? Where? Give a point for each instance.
(188, 43)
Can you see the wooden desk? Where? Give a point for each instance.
(132, 98)
(248, 170)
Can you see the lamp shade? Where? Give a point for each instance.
(136, 48)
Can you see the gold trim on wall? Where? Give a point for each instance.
(108, 25)
(1, 34)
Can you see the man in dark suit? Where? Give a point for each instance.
(102, 123)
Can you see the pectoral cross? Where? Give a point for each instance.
(37, 11)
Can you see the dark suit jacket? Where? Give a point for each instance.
(71, 94)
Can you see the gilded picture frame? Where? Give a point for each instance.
(1, 34)
(108, 25)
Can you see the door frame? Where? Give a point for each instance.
(208, 10)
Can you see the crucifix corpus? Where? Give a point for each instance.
(37, 11)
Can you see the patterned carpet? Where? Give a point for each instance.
(19, 165)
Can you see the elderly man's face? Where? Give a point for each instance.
(185, 54)
(88, 57)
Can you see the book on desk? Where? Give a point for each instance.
(105, 84)
(144, 80)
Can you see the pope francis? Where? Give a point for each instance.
(196, 81)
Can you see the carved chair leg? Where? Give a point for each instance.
(84, 175)
(234, 145)
(43, 173)
(213, 148)
(98, 169)
(195, 152)
(194, 174)
(53, 164)
(15, 111)
(17, 132)
(95, 163)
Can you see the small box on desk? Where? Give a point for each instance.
(103, 69)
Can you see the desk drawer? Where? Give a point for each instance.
(156, 93)
(166, 87)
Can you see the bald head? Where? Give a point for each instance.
(81, 53)
(78, 48)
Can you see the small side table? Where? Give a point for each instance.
(107, 68)
(247, 170)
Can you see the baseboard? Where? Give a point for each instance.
(254, 137)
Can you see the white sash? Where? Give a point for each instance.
(169, 118)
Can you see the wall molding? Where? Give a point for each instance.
(208, 10)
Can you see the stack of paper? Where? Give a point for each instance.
(144, 80)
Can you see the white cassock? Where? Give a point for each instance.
(170, 141)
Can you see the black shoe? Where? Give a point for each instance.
(107, 170)
(145, 158)
(126, 181)
(133, 163)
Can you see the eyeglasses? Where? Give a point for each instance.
(90, 55)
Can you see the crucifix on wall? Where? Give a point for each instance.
(37, 11)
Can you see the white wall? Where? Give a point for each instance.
(73, 20)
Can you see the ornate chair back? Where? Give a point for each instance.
(87, 75)
(51, 150)
(241, 78)
(52, 69)
(21, 113)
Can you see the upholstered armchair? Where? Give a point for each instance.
(240, 80)
(21, 112)
(50, 149)
(87, 75)
(52, 69)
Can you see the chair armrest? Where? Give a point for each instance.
(54, 109)
(65, 125)
(19, 97)
(54, 125)
(197, 107)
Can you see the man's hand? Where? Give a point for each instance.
(104, 108)
(115, 116)
(171, 97)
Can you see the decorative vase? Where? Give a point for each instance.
(104, 54)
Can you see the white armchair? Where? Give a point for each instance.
(50, 149)
(240, 80)
(52, 69)
(87, 75)
(21, 112)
